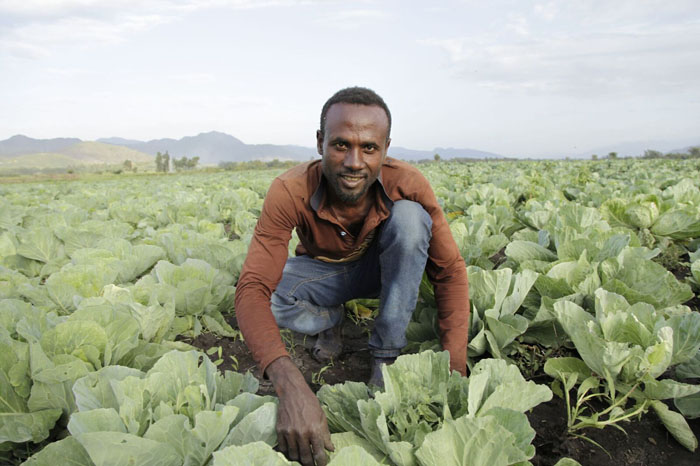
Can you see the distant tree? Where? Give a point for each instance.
(166, 162)
(184, 163)
(612, 155)
(159, 162)
(652, 154)
(178, 164)
(128, 165)
(436, 157)
(694, 151)
(594, 156)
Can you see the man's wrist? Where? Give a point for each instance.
(284, 375)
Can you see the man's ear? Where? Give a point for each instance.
(388, 142)
(319, 141)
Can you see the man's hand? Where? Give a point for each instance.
(302, 430)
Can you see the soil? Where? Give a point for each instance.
(646, 441)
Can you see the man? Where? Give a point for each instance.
(368, 226)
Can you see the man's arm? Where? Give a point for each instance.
(302, 429)
(448, 274)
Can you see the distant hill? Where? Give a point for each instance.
(637, 148)
(215, 147)
(19, 144)
(97, 152)
(212, 148)
(74, 155)
(119, 141)
(684, 150)
(444, 153)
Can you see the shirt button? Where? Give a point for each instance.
(342, 233)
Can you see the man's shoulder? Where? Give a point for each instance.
(301, 177)
(299, 171)
(398, 172)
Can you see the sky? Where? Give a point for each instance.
(514, 77)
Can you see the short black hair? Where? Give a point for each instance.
(355, 95)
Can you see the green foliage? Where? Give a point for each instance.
(628, 347)
(425, 410)
(103, 274)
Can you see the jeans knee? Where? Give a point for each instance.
(409, 224)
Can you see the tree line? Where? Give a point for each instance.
(163, 162)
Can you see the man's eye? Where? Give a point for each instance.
(370, 148)
(340, 145)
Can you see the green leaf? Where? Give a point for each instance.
(676, 425)
(40, 244)
(521, 251)
(96, 420)
(352, 456)
(689, 406)
(568, 365)
(667, 389)
(69, 450)
(27, 427)
(473, 441)
(567, 462)
(251, 454)
(256, 426)
(344, 440)
(119, 449)
(193, 445)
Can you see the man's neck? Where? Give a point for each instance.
(352, 215)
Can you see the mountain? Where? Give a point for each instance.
(97, 152)
(119, 141)
(212, 148)
(444, 153)
(684, 150)
(215, 147)
(19, 144)
(74, 155)
(637, 148)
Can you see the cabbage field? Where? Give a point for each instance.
(584, 286)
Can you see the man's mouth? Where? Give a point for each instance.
(351, 181)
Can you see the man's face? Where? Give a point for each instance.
(353, 147)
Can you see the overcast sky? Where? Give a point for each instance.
(516, 77)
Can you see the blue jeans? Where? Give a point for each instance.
(309, 298)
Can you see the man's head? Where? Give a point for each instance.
(353, 141)
(358, 96)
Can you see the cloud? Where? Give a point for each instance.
(351, 19)
(582, 52)
(32, 28)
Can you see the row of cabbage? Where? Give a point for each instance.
(100, 278)
(578, 255)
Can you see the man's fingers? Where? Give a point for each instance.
(319, 452)
(281, 443)
(327, 440)
(305, 452)
(292, 450)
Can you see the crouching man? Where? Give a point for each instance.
(368, 226)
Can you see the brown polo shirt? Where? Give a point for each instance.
(297, 199)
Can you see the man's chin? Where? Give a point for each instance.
(349, 197)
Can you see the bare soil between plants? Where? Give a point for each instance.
(645, 443)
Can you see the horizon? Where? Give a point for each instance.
(469, 152)
(531, 79)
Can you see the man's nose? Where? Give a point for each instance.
(353, 159)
